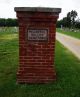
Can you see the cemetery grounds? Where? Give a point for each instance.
(66, 64)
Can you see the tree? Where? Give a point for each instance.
(73, 16)
(11, 22)
(2, 22)
(77, 24)
(8, 22)
(59, 23)
(69, 19)
(65, 22)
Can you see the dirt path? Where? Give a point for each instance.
(71, 43)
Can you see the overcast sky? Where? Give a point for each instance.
(7, 6)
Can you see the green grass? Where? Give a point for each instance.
(70, 33)
(67, 68)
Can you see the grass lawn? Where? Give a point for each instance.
(70, 33)
(67, 68)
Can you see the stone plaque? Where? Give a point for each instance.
(37, 34)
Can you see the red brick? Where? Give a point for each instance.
(36, 59)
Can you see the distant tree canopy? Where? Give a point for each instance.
(70, 20)
(8, 22)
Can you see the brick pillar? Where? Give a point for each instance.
(37, 27)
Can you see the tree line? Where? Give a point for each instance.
(70, 20)
(8, 22)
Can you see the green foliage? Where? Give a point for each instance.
(69, 21)
(67, 68)
(62, 22)
(11, 22)
(2, 22)
(73, 15)
(8, 22)
(77, 25)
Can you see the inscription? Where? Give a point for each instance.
(38, 34)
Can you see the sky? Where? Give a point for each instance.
(7, 6)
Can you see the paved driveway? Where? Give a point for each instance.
(71, 43)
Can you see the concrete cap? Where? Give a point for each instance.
(38, 9)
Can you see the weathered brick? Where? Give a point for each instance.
(36, 58)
